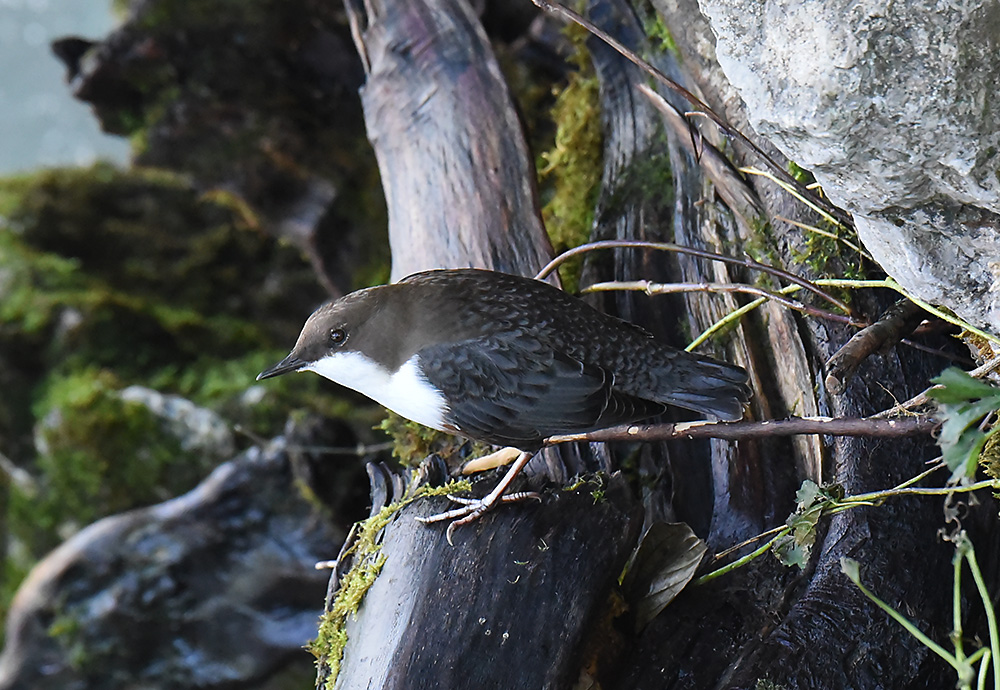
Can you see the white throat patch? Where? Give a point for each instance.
(406, 392)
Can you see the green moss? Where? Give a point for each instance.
(989, 459)
(802, 175)
(570, 173)
(760, 246)
(828, 255)
(765, 684)
(98, 455)
(208, 13)
(67, 630)
(112, 278)
(328, 647)
(660, 37)
(412, 442)
(139, 258)
(648, 180)
(826, 250)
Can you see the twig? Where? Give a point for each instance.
(795, 191)
(841, 216)
(850, 568)
(984, 594)
(651, 288)
(734, 431)
(681, 249)
(732, 187)
(824, 233)
(876, 496)
(751, 540)
(731, 317)
(743, 560)
(898, 320)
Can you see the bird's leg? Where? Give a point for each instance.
(473, 509)
(498, 458)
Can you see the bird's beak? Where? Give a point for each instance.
(289, 363)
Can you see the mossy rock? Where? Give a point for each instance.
(98, 454)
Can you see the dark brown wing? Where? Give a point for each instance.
(511, 391)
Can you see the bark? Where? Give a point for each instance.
(458, 182)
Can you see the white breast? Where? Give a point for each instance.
(406, 391)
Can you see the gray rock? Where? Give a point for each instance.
(891, 106)
(197, 428)
(214, 589)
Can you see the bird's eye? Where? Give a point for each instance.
(338, 336)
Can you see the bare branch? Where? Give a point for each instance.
(735, 431)
(681, 249)
(668, 288)
(897, 321)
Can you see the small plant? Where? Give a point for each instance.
(965, 666)
(965, 404)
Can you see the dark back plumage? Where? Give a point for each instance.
(541, 336)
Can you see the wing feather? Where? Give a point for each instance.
(507, 391)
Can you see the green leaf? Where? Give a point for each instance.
(795, 547)
(960, 387)
(807, 493)
(964, 402)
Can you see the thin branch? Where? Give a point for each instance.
(824, 233)
(751, 540)
(891, 284)
(651, 288)
(853, 575)
(991, 619)
(739, 562)
(795, 191)
(735, 431)
(875, 496)
(734, 189)
(730, 318)
(842, 216)
(681, 249)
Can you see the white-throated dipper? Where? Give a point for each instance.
(506, 360)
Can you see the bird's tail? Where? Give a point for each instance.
(709, 386)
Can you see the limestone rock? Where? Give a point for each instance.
(891, 106)
(197, 428)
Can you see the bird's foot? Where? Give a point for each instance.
(474, 508)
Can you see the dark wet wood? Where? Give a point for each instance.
(510, 605)
(896, 323)
(425, 622)
(516, 602)
(458, 181)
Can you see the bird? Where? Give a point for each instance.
(506, 360)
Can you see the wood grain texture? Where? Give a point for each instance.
(458, 181)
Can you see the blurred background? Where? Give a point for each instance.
(181, 184)
(43, 124)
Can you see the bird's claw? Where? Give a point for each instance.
(474, 508)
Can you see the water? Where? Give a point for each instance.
(41, 124)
